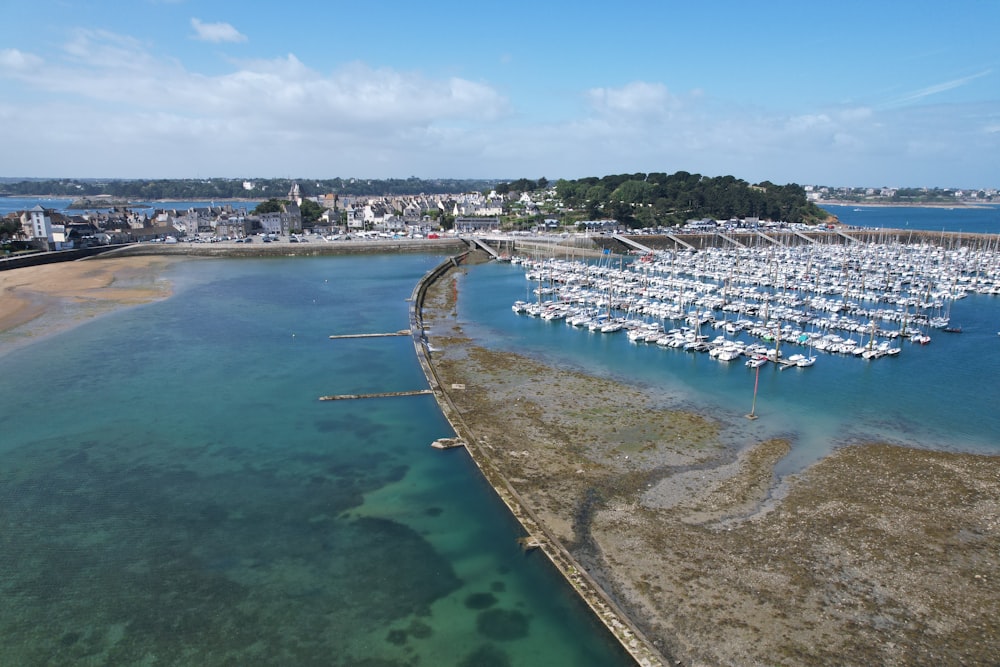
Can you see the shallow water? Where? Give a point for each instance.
(173, 493)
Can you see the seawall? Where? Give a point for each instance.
(628, 635)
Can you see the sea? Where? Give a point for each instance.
(981, 219)
(172, 491)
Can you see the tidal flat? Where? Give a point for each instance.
(877, 554)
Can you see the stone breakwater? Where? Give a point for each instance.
(538, 535)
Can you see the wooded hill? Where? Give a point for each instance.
(233, 188)
(648, 200)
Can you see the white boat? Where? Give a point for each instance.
(611, 327)
(728, 354)
(805, 362)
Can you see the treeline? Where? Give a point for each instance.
(648, 200)
(229, 188)
(909, 195)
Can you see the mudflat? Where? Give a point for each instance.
(878, 554)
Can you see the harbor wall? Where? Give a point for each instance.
(284, 249)
(41, 258)
(600, 603)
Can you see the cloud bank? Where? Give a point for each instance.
(106, 106)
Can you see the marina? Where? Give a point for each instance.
(866, 300)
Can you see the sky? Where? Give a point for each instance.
(843, 94)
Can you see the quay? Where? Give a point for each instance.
(384, 394)
(401, 332)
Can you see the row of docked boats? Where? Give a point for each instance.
(684, 338)
(855, 300)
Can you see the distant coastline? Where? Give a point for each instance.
(866, 204)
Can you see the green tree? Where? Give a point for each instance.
(9, 229)
(270, 206)
(311, 212)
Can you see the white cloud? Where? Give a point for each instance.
(216, 32)
(13, 61)
(106, 106)
(636, 98)
(917, 95)
(113, 93)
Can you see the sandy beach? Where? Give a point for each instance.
(879, 554)
(42, 300)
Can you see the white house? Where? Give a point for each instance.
(37, 225)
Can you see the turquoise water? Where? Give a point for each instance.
(171, 491)
(941, 395)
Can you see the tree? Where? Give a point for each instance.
(311, 212)
(9, 228)
(270, 206)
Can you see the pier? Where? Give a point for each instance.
(631, 243)
(768, 238)
(726, 237)
(401, 332)
(487, 248)
(847, 236)
(383, 394)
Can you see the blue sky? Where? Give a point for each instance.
(845, 93)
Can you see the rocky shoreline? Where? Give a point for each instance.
(879, 554)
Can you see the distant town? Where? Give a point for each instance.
(638, 202)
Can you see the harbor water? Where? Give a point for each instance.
(938, 395)
(172, 491)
